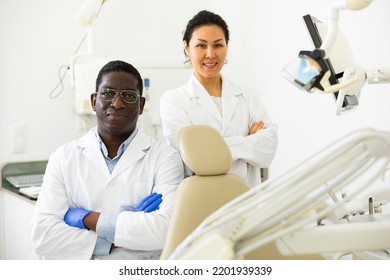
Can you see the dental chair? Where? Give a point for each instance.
(311, 211)
(205, 152)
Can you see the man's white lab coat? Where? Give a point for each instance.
(77, 176)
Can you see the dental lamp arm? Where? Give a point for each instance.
(358, 77)
(334, 11)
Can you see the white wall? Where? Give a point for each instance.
(37, 37)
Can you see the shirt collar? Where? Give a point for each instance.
(121, 148)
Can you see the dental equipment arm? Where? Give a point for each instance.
(86, 16)
(334, 11)
(378, 75)
(89, 11)
(287, 209)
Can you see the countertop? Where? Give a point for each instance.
(20, 168)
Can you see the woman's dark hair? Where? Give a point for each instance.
(205, 18)
(120, 66)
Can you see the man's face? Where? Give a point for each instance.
(117, 118)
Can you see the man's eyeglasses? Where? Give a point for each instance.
(128, 96)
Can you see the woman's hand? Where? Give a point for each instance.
(255, 127)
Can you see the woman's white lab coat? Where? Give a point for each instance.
(190, 104)
(77, 176)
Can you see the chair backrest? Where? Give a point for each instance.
(205, 152)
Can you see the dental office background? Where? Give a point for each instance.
(38, 37)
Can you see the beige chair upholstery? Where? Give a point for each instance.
(205, 152)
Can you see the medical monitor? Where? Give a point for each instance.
(339, 58)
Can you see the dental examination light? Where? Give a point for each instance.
(288, 210)
(331, 66)
(89, 11)
(86, 15)
(83, 65)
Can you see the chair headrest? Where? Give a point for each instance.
(204, 150)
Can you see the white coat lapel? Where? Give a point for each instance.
(230, 99)
(134, 152)
(203, 98)
(92, 153)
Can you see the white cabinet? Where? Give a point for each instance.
(16, 212)
(1, 225)
(16, 216)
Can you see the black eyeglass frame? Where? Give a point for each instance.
(120, 92)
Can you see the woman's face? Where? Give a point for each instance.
(207, 51)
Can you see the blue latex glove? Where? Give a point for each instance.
(150, 203)
(74, 217)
